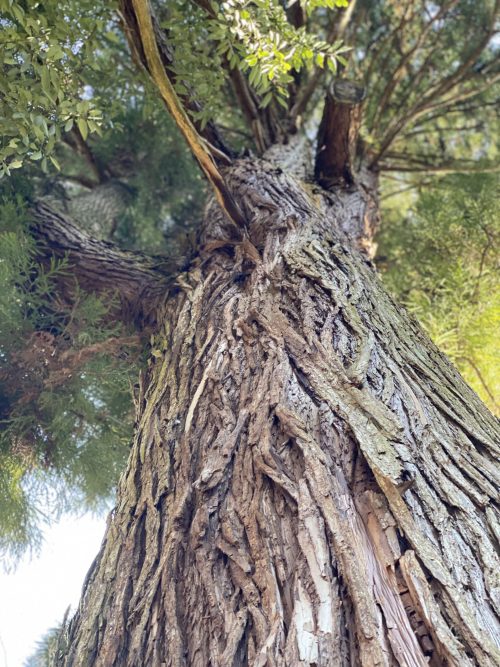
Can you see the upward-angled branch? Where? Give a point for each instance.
(208, 131)
(75, 140)
(258, 118)
(99, 266)
(451, 167)
(435, 96)
(394, 78)
(249, 106)
(383, 45)
(464, 68)
(201, 149)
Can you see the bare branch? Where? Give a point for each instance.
(449, 82)
(384, 42)
(457, 107)
(209, 132)
(444, 168)
(461, 96)
(66, 364)
(433, 98)
(482, 381)
(75, 140)
(395, 77)
(295, 14)
(79, 179)
(442, 130)
(250, 108)
(406, 188)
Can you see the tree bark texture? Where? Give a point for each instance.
(311, 481)
(338, 133)
(99, 266)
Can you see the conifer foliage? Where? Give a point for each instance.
(83, 128)
(117, 121)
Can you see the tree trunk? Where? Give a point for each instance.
(311, 481)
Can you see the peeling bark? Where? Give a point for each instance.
(311, 481)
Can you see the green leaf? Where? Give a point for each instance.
(83, 127)
(45, 80)
(266, 100)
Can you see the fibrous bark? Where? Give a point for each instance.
(98, 266)
(311, 482)
(144, 36)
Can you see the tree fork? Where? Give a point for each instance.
(265, 516)
(338, 134)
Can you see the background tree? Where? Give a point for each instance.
(299, 442)
(440, 259)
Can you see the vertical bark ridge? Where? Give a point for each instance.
(311, 482)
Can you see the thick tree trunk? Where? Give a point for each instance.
(311, 482)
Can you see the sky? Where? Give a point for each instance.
(35, 597)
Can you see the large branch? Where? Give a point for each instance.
(209, 131)
(99, 266)
(338, 133)
(143, 38)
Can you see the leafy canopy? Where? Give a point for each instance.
(53, 53)
(45, 56)
(67, 366)
(64, 398)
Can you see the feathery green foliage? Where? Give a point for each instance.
(65, 413)
(441, 260)
(47, 648)
(82, 126)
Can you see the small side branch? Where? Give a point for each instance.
(338, 133)
(99, 266)
(75, 140)
(444, 169)
(257, 118)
